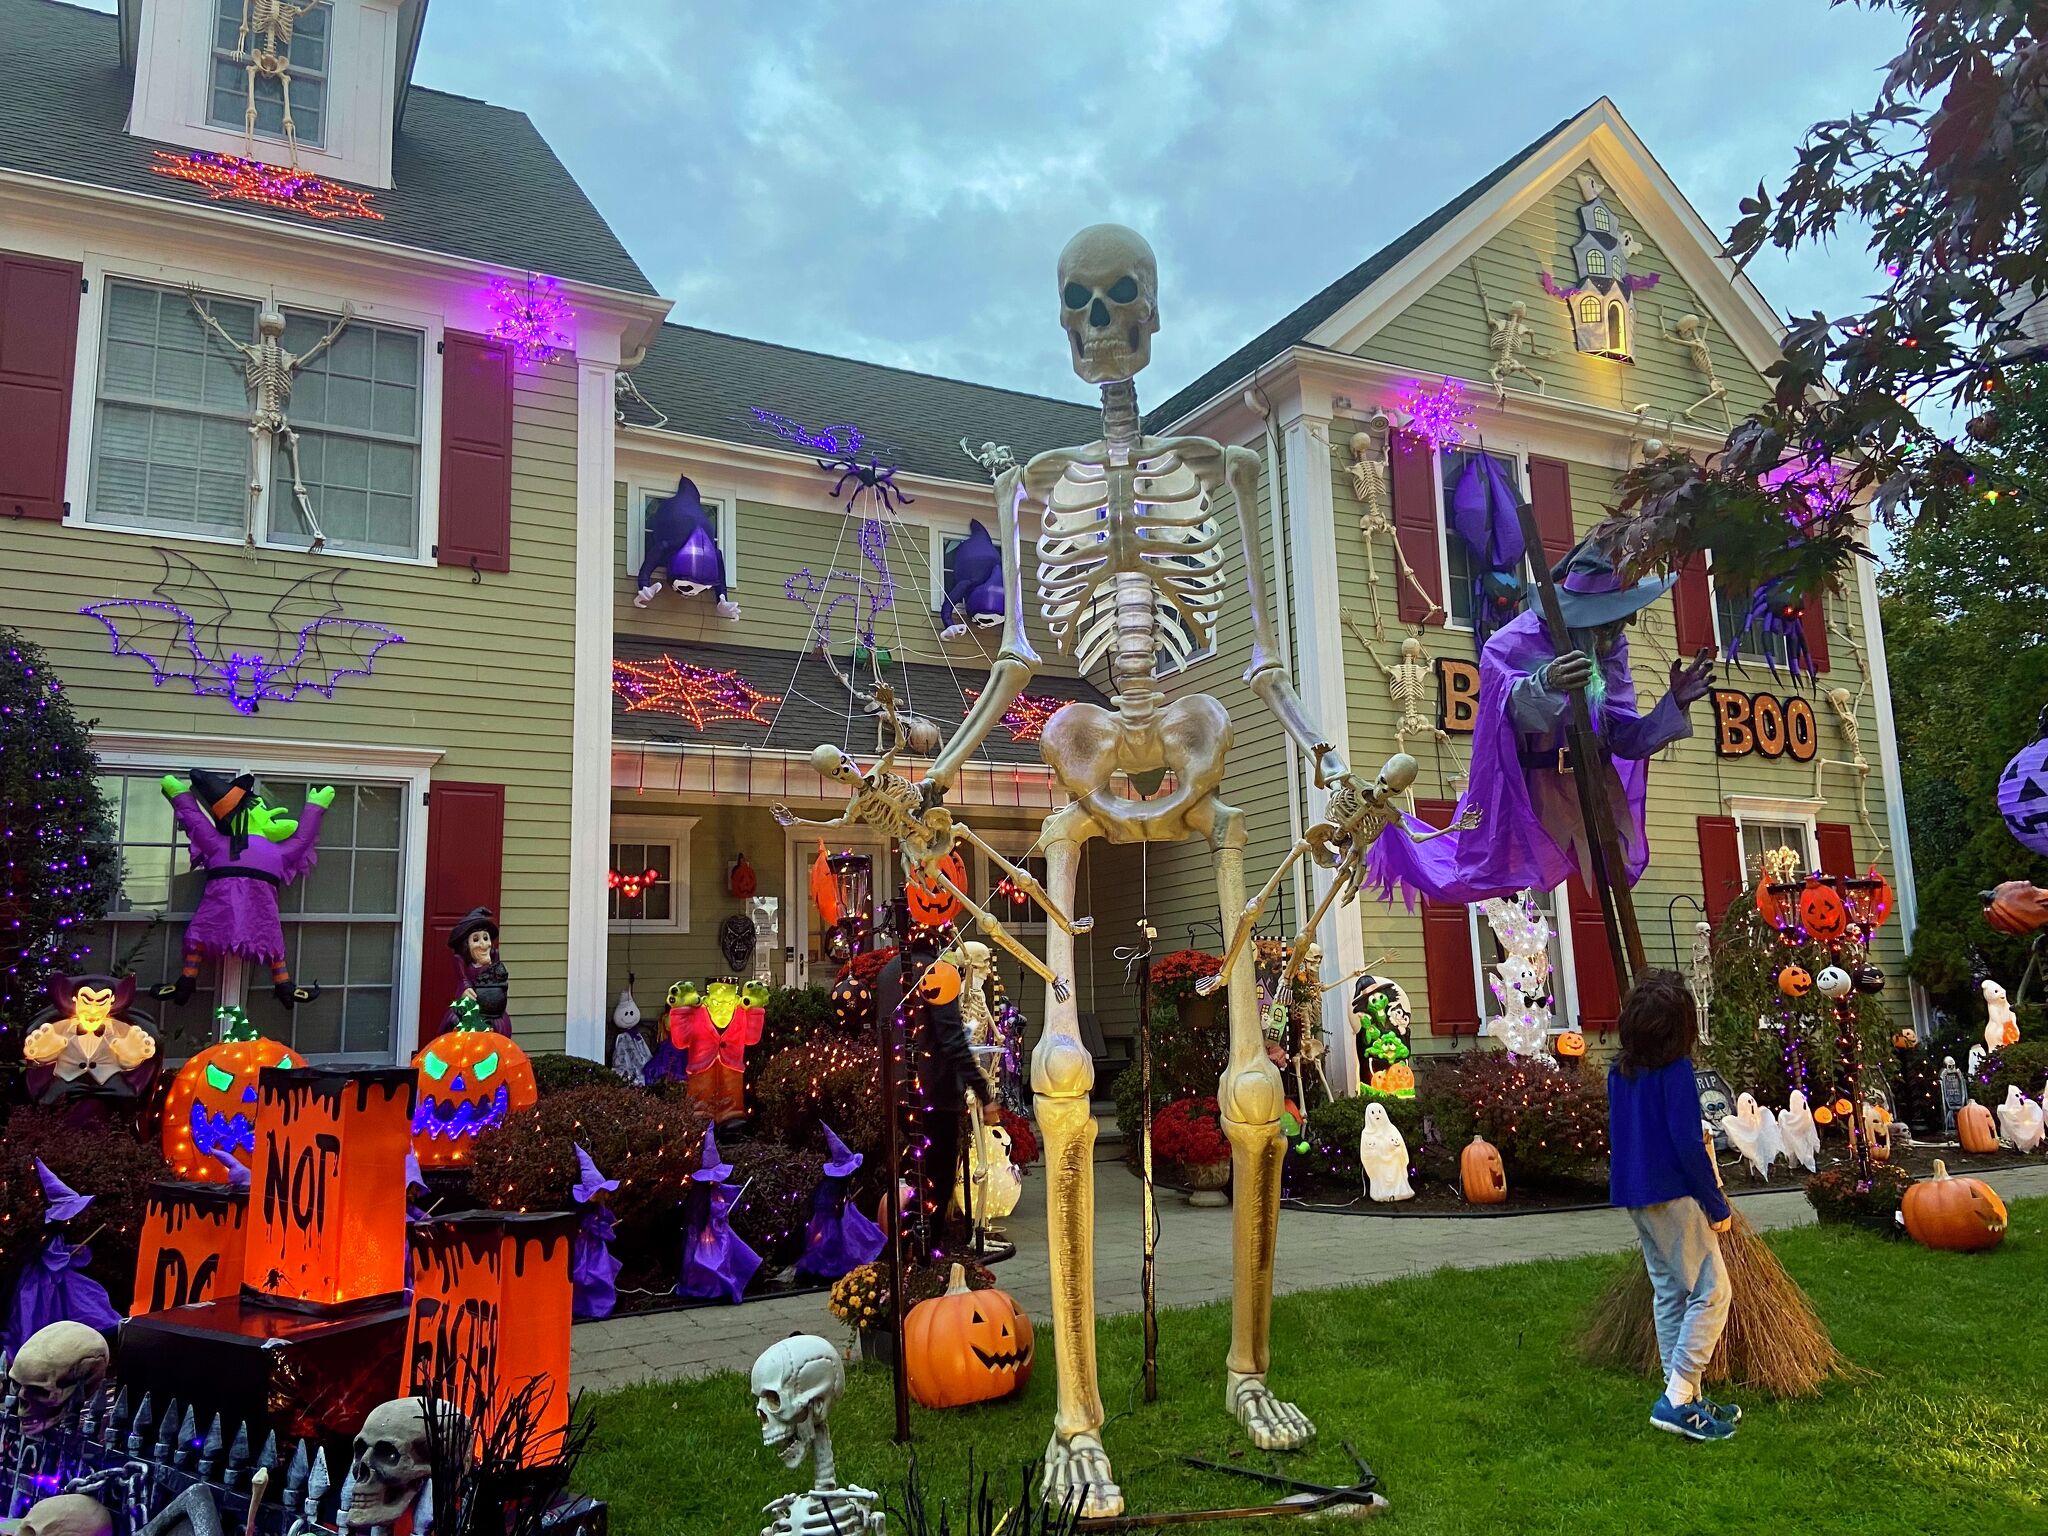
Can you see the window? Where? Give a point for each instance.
(1589, 309)
(228, 101)
(1760, 837)
(1016, 911)
(171, 448)
(1596, 263)
(660, 904)
(1602, 219)
(719, 508)
(1758, 643)
(1461, 567)
(342, 921)
(1487, 953)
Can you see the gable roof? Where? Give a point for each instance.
(708, 384)
(470, 180)
(1296, 326)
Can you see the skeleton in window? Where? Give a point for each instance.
(268, 370)
(925, 834)
(270, 22)
(1691, 333)
(1130, 570)
(1509, 336)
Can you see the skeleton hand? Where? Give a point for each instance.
(784, 816)
(1689, 684)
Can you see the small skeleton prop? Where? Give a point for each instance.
(1845, 705)
(1508, 336)
(905, 732)
(270, 23)
(894, 806)
(1703, 974)
(390, 1472)
(1691, 334)
(991, 456)
(1370, 484)
(1409, 684)
(57, 1363)
(796, 1384)
(268, 369)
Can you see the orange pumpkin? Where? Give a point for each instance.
(1479, 1171)
(1822, 1115)
(1959, 1214)
(1822, 914)
(940, 982)
(931, 904)
(1399, 1078)
(1976, 1130)
(1769, 904)
(1571, 1043)
(1795, 981)
(966, 1346)
(2017, 906)
(1879, 901)
(1906, 1040)
(470, 1079)
(210, 1112)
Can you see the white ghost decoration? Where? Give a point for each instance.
(1833, 982)
(1797, 1134)
(2021, 1121)
(1002, 1185)
(1753, 1133)
(1384, 1156)
(2000, 1028)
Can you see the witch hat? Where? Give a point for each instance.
(593, 1182)
(61, 1203)
(840, 1160)
(714, 1169)
(414, 1179)
(222, 794)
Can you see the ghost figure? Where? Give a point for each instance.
(682, 548)
(1521, 983)
(2000, 1028)
(1798, 1136)
(1754, 1134)
(999, 1183)
(2021, 1120)
(1384, 1156)
(974, 585)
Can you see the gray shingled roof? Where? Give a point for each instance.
(1295, 328)
(814, 706)
(708, 384)
(472, 180)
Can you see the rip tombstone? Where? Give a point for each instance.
(1955, 1093)
(1716, 1101)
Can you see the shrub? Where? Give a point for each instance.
(1191, 1131)
(1841, 1197)
(554, 1072)
(833, 1079)
(2022, 1065)
(1547, 1123)
(648, 1142)
(793, 1016)
(106, 1162)
(1333, 1129)
(775, 1208)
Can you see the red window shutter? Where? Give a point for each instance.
(465, 869)
(476, 453)
(1599, 995)
(1447, 950)
(1814, 622)
(1721, 877)
(38, 348)
(1550, 497)
(1418, 527)
(1837, 847)
(1692, 601)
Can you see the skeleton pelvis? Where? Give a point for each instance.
(1087, 746)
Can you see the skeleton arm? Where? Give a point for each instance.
(205, 314)
(347, 314)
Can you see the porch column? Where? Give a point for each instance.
(590, 794)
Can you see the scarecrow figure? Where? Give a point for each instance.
(592, 1268)
(248, 852)
(53, 1287)
(484, 978)
(717, 1264)
(839, 1237)
(1531, 834)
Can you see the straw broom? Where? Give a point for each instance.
(1775, 1343)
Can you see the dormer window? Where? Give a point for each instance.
(239, 79)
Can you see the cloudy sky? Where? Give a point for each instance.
(893, 179)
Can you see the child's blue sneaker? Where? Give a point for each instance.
(1727, 1413)
(1691, 1420)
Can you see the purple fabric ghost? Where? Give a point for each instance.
(1529, 815)
(682, 549)
(974, 591)
(592, 1269)
(839, 1237)
(716, 1263)
(53, 1287)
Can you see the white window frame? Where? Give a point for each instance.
(1013, 843)
(1444, 533)
(215, 55)
(102, 269)
(674, 833)
(724, 498)
(1776, 810)
(357, 763)
(1721, 636)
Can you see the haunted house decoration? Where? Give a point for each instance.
(1601, 302)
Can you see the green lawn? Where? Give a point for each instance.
(1463, 1392)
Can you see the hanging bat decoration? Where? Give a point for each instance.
(179, 633)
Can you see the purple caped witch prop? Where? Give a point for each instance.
(53, 1287)
(592, 1270)
(717, 1265)
(1531, 832)
(839, 1237)
(247, 852)
(474, 943)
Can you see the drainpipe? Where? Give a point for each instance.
(1284, 623)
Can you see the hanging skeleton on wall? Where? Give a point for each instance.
(1409, 684)
(269, 24)
(1508, 337)
(1371, 486)
(268, 370)
(1845, 705)
(1691, 333)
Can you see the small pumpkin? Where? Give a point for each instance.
(1823, 1115)
(1976, 1130)
(210, 1112)
(1963, 1215)
(471, 1078)
(1907, 1039)
(1795, 981)
(1571, 1043)
(1480, 1173)
(1821, 913)
(966, 1346)
(940, 982)
(931, 904)
(1399, 1078)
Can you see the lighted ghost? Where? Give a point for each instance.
(1753, 1132)
(1798, 1136)
(1384, 1155)
(2021, 1120)
(2000, 1027)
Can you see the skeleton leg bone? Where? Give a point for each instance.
(305, 505)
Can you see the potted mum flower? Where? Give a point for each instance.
(1190, 1133)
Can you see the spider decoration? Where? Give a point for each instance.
(870, 479)
(1775, 610)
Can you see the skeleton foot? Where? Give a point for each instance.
(1272, 1424)
(1077, 1476)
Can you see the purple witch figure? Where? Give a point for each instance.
(592, 1270)
(482, 974)
(1530, 834)
(974, 586)
(839, 1237)
(247, 852)
(716, 1263)
(682, 549)
(53, 1287)
(1484, 514)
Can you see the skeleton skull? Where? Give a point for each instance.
(1109, 302)
(795, 1384)
(67, 1514)
(831, 763)
(270, 323)
(56, 1364)
(1688, 326)
(1396, 774)
(391, 1460)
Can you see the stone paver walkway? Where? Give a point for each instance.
(1316, 1251)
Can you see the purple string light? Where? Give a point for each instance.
(830, 441)
(880, 595)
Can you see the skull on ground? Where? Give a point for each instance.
(56, 1364)
(1109, 302)
(66, 1514)
(392, 1459)
(795, 1384)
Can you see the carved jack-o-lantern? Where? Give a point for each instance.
(966, 1346)
(1795, 981)
(940, 982)
(931, 904)
(470, 1079)
(1822, 914)
(1399, 1078)
(1480, 1173)
(1571, 1043)
(1962, 1214)
(210, 1112)
(1976, 1130)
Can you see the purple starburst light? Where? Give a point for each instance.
(1436, 413)
(531, 317)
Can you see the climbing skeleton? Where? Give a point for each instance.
(1845, 705)
(270, 21)
(895, 807)
(1691, 333)
(1408, 685)
(268, 370)
(1509, 336)
(1369, 484)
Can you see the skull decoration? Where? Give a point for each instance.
(1109, 302)
(392, 1460)
(57, 1363)
(67, 1514)
(795, 1384)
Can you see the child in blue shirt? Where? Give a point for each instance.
(1661, 1172)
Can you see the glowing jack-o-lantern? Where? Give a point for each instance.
(210, 1112)
(470, 1079)
(1822, 914)
(966, 1346)
(1795, 981)
(940, 982)
(930, 904)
